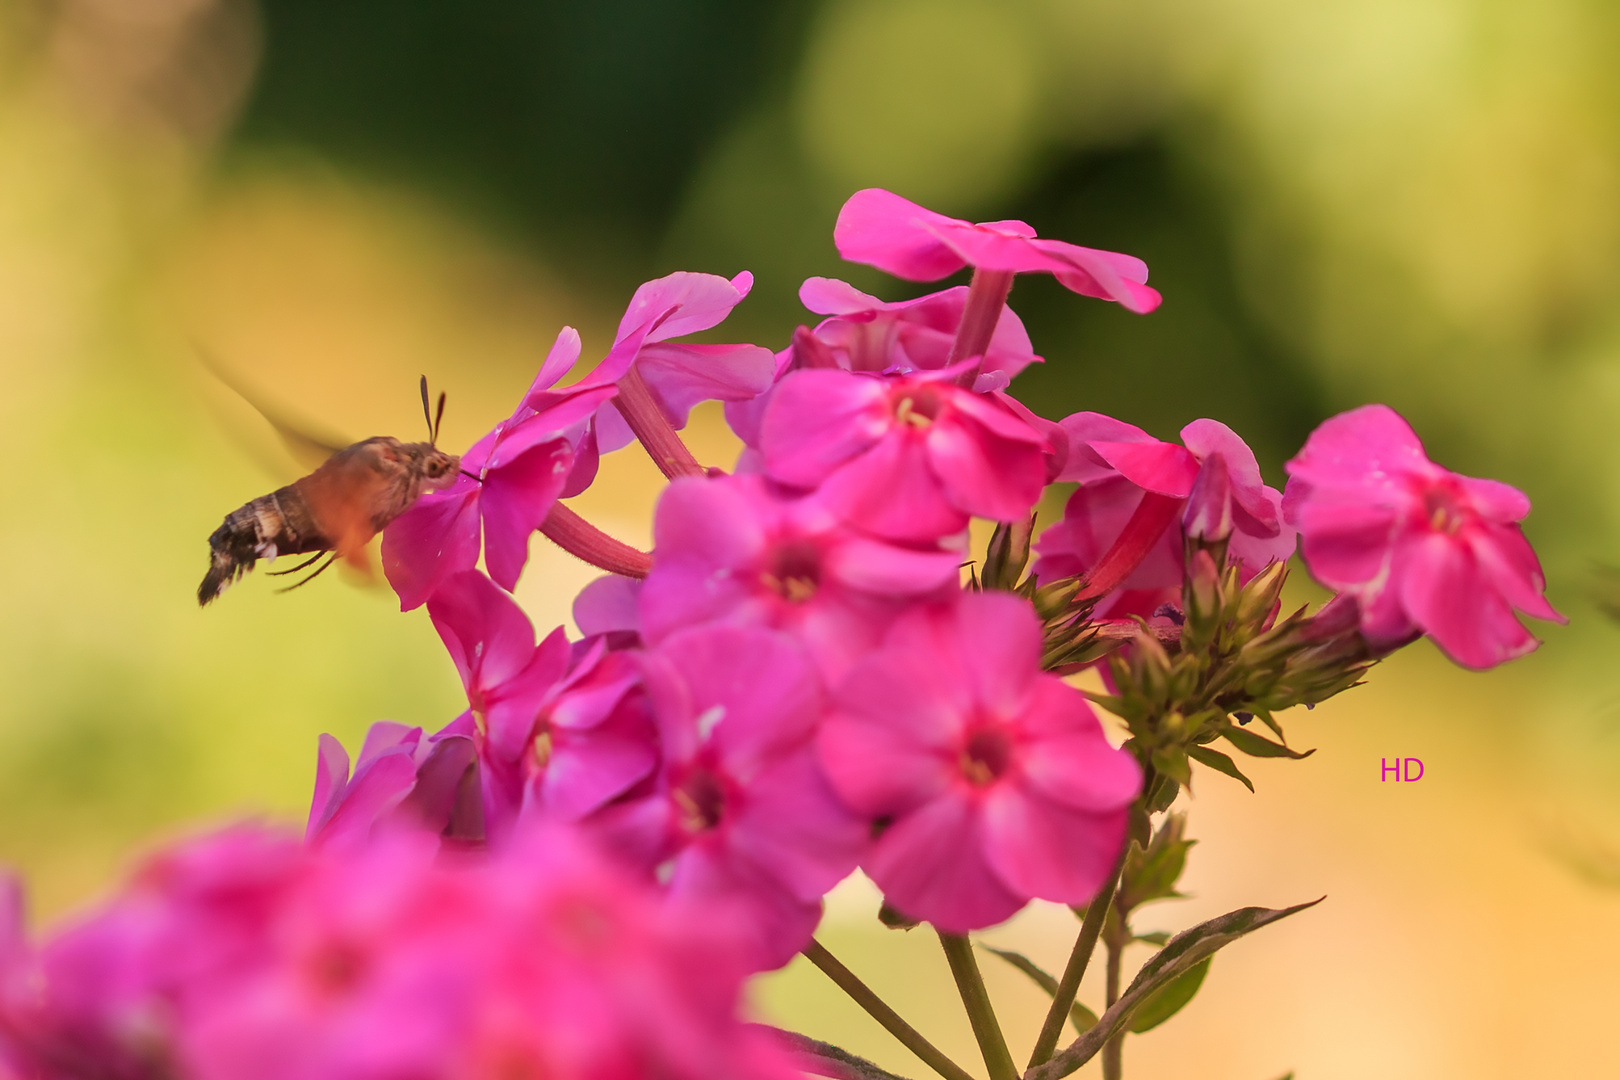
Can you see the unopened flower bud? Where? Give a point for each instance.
(1208, 519)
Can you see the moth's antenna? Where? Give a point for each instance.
(426, 415)
(438, 418)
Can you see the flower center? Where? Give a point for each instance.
(701, 801)
(918, 408)
(793, 571)
(540, 749)
(985, 757)
(1445, 515)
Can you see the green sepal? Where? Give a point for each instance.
(1260, 746)
(1081, 1017)
(1220, 763)
(1172, 762)
(1170, 998)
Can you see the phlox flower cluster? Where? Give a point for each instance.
(799, 680)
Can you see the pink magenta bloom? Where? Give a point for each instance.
(249, 957)
(555, 735)
(907, 458)
(1423, 548)
(741, 814)
(680, 375)
(522, 467)
(736, 549)
(993, 779)
(867, 334)
(880, 228)
(1118, 465)
(401, 780)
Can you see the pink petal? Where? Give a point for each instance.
(882, 569)
(1085, 465)
(331, 774)
(1160, 467)
(387, 737)
(1066, 758)
(1372, 442)
(932, 864)
(369, 796)
(1206, 438)
(1002, 648)
(681, 376)
(880, 228)
(1510, 564)
(1045, 849)
(559, 362)
(797, 830)
(1345, 542)
(1445, 593)
(985, 474)
(607, 604)
(893, 491)
(1495, 501)
(693, 302)
(708, 880)
(587, 772)
(517, 498)
(819, 419)
(829, 296)
(487, 634)
(438, 536)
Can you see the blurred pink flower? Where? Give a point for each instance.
(555, 734)
(513, 476)
(992, 781)
(736, 549)
(741, 814)
(677, 375)
(1424, 549)
(880, 228)
(907, 458)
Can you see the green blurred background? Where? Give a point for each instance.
(1412, 201)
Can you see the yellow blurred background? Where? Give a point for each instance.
(1416, 202)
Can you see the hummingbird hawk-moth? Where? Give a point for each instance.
(337, 508)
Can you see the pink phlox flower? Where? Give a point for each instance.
(555, 733)
(109, 994)
(400, 780)
(908, 458)
(896, 235)
(512, 477)
(247, 956)
(738, 549)
(866, 334)
(741, 813)
(677, 374)
(1117, 465)
(993, 780)
(1423, 548)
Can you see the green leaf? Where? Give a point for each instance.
(1184, 952)
(1081, 1017)
(1219, 762)
(1260, 746)
(1156, 937)
(1169, 999)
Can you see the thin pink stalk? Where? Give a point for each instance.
(662, 443)
(987, 296)
(1153, 515)
(583, 540)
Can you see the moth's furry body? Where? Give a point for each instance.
(339, 507)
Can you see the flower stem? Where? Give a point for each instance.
(635, 403)
(970, 984)
(1113, 1054)
(879, 1010)
(1069, 985)
(580, 538)
(987, 295)
(825, 1059)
